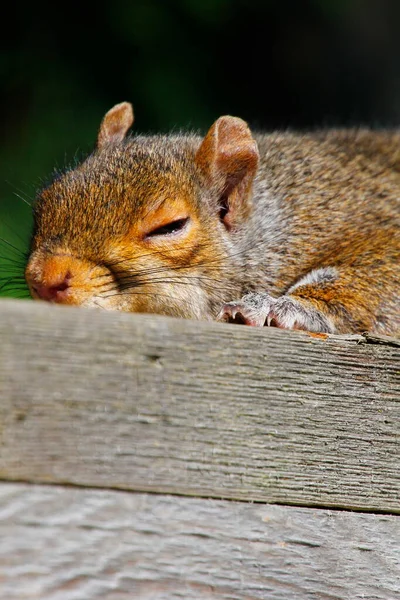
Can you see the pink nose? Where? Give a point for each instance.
(54, 292)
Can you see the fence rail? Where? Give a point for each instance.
(145, 403)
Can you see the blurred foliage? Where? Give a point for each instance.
(183, 63)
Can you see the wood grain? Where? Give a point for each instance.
(62, 544)
(149, 403)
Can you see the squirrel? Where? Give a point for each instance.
(292, 230)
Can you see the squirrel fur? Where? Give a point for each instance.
(295, 230)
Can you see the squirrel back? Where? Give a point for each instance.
(181, 225)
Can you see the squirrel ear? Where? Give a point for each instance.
(228, 157)
(115, 124)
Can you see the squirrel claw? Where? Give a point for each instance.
(232, 312)
(261, 309)
(235, 313)
(253, 310)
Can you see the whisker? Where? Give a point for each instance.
(18, 250)
(11, 289)
(12, 281)
(111, 291)
(23, 199)
(15, 233)
(14, 262)
(10, 286)
(9, 272)
(10, 277)
(160, 269)
(185, 280)
(229, 256)
(12, 185)
(18, 296)
(120, 293)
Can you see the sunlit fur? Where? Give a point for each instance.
(319, 204)
(92, 222)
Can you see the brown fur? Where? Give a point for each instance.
(260, 214)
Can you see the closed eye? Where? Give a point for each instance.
(168, 229)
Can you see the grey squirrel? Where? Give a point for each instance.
(298, 231)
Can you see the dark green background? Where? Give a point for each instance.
(183, 63)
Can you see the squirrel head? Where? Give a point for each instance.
(146, 223)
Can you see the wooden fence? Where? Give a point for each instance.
(144, 457)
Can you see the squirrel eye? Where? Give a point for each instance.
(172, 227)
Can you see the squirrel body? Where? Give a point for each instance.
(300, 231)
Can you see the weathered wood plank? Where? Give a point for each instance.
(156, 404)
(58, 543)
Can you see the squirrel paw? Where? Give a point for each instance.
(253, 309)
(290, 313)
(285, 312)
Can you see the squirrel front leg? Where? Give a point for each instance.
(324, 301)
(286, 312)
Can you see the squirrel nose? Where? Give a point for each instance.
(55, 291)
